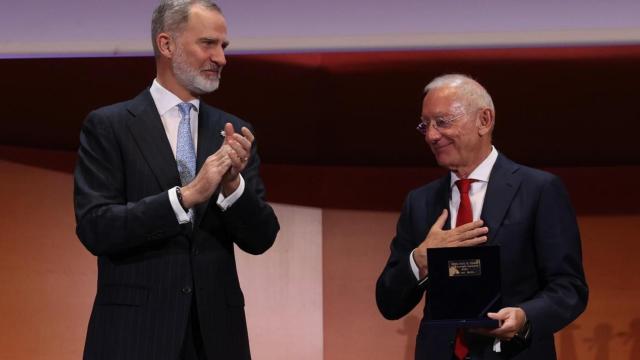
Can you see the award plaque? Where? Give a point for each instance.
(463, 286)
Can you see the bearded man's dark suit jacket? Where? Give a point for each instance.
(529, 216)
(149, 266)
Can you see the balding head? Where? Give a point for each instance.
(473, 95)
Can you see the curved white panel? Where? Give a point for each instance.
(121, 27)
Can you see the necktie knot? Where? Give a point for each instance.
(185, 110)
(464, 185)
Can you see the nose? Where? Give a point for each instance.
(432, 135)
(217, 56)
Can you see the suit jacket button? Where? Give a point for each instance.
(196, 252)
(186, 290)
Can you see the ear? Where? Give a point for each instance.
(485, 121)
(165, 44)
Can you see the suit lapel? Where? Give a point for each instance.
(146, 127)
(504, 182)
(210, 123)
(440, 202)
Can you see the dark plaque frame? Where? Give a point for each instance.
(463, 286)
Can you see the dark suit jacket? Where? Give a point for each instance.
(149, 266)
(530, 217)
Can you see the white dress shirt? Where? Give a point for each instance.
(167, 104)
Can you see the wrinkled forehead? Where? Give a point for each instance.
(441, 101)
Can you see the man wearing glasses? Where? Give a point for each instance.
(485, 199)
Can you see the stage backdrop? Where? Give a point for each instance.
(310, 297)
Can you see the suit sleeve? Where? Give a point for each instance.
(106, 222)
(564, 291)
(397, 290)
(250, 222)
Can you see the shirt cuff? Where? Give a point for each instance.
(225, 202)
(416, 271)
(182, 216)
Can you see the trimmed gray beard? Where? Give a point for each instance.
(191, 78)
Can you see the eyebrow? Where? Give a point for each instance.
(225, 43)
(439, 114)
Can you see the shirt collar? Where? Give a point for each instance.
(166, 100)
(482, 172)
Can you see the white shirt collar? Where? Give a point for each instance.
(482, 172)
(166, 100)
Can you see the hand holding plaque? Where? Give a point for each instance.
(512, 321)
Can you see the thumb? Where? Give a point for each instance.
(493, 316)
(502, 314)
(228, 132)
(439, 224)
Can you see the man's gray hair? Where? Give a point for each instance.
(171, 15)
(475, 95)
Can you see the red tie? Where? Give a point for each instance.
(465, 215)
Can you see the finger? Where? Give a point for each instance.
(473, 242)
(500, 333)
(481, 331)
(248, 134)
(502, 330)
(469, 226)
(215, 157)
(494, 316)
(238, 149)
(242, 141)
(439, 224)
(228, 132)
(226, 162)
(472, 234)
(239, 159)
(505, 316)
(222, 152)
(236, 160)
(218, 160)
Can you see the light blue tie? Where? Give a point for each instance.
(185, 151)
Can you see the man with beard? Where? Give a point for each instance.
(165, 185)
(485, 199)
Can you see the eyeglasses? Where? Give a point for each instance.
(439, 123)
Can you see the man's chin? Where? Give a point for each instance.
(207, 87)
(443, 161)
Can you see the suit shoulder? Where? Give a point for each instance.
(427, 189)
(108, 113)
(539, 181)
(536, 175)
(224, 116)
(114, 108)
